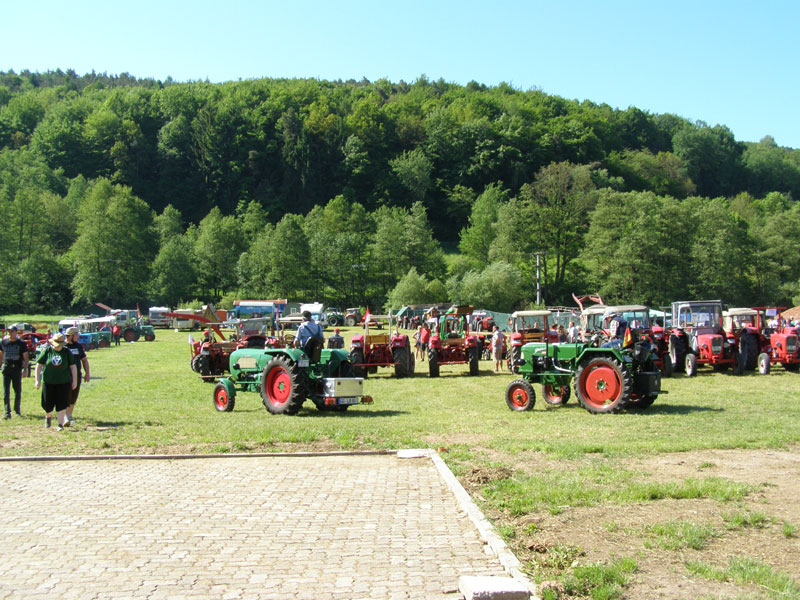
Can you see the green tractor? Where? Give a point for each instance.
(286, 377)
(607, 377)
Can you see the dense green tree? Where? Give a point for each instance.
(712, 157)
(477, 238)
(172, 275)
(114, 248)
(500, 286)
(217, 248)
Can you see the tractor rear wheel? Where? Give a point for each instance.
(223, 400)
(282, 387)
(514, 355)
(603, 385)
(402, 361)
(677, 351)
(433, 363)
(333, 320)
(737, 363)
(203, 365)
(668, 366)
(763, 363)
(748, 348)
(691, 364)
(350, 321)
(130, 335)
(520, 395)
(357, 358)
(556, 395)
(474, 360)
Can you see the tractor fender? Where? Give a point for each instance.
(399, 341)
(229, 386)
(357, 341)
(516, 339)
(471, 341)
(435, 342)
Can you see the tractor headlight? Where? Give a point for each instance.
(716, 345)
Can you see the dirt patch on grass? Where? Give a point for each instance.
(550, 544)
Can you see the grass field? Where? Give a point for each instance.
(538, 474)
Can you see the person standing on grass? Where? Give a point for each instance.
(424, 338)
(55, 367)
(418, 342)
(498, 346)
(116, 331)
(74, 346)
(14, 358)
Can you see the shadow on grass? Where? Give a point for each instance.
(673, 409)
(351, 415)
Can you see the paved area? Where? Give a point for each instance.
(373, 526)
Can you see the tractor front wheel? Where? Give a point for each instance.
(520, 395)
(149, 337)
(223, 398)
(282, 389)
(555, 395)
(668, 366)
(691, 364)
(763, 363)
(103, 343)
(603, 385)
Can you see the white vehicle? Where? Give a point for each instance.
(156, 316)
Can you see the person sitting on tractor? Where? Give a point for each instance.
(308, 329)
(617, 327)
(336, 340)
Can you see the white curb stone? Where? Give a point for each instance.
(492, 588)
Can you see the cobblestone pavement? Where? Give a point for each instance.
(355, 526)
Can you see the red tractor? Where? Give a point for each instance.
(528, 326)
(778, 340)
(696, 337)
(452, 343)
(368, 352)
(745, 328)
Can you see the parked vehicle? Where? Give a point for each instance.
(696, 338)
(157, 316)
(744, 328)
(606, 380)
(287, 377)
(391, 349)
(352, 317)
(452, 343)
(528, 326)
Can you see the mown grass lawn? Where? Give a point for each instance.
(144, 398)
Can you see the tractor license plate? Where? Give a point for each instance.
(302, 362)
(348, 400)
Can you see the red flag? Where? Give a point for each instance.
(138, 312)
(367, 316)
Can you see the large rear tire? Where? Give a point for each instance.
(350, 321)
(357, 358)
(668, 368)
(402, 361)
(333, 320)
(556, 395)
(282, 387)
(513, 356)
(677, 351)
(520, 395)
(433, 363)
(130, 335)
(603, 385)
(749, 348)
(474, 360)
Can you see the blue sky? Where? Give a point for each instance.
(730, 62)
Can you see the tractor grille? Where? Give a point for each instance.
(716, 345)
(791, 344)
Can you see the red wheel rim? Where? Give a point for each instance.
(221, 398)
(279, 385)
(553, 393)
(601, 385)
(130, 336)
(519, 396)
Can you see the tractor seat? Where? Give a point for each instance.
(313, 348)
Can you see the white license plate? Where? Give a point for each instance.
(302, 362)
(348, 400)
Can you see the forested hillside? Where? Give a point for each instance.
(123, 190)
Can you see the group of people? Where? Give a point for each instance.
(60, 366)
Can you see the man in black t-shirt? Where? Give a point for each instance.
(75, 347)
(14, 357)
